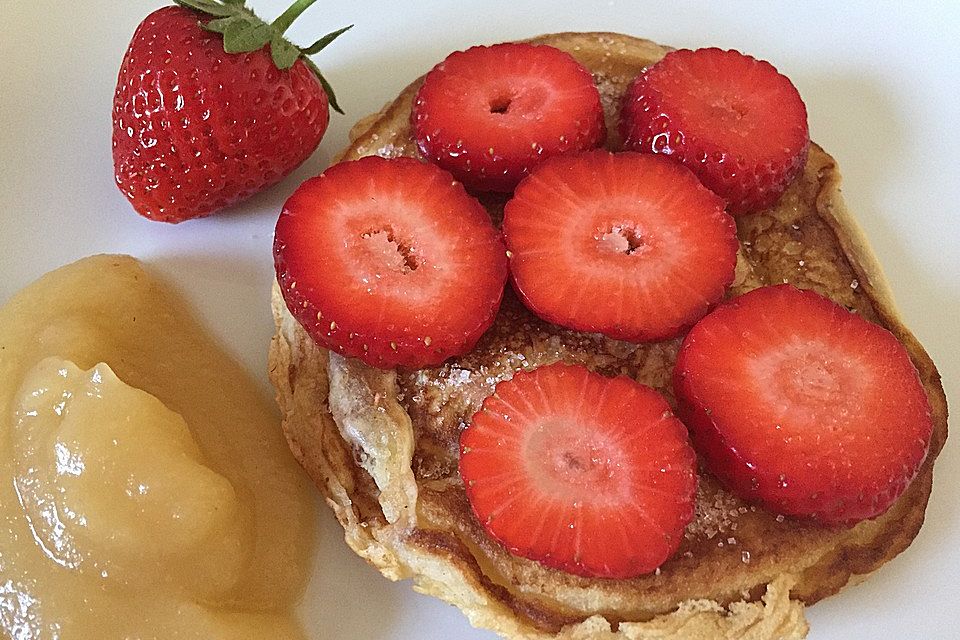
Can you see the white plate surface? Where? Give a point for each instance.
(880, 83)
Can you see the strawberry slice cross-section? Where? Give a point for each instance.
(735, 121)
(490, 114)
(628, 245)
(802, 406)
(389, 261)
(583, 473)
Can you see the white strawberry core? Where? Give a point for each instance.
(810, 382)
(524, 102)
(568, 459)
(383, 248)
(622, 239)
(729, 110)
(809, 379)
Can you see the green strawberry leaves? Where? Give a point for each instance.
(284, 54)
(320, 44)
(242, 34)
(243, 31)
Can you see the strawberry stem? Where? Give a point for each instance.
(243, 32)
(282, 23)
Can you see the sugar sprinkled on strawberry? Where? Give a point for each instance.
(732, 119)
(802, 406)
(628, 245)
(490, 114)
(389, 261)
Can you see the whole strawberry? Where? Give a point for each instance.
(213, 105)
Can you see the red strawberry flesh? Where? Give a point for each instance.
(800, 405)
(389, 261)
(732, 119)
(490, 114)
(582, 473)
(628, 245)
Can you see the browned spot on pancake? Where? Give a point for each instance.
(292, 374)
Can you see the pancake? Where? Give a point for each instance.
(382, 445)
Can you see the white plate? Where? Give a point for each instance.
(880, 85)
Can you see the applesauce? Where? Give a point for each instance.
(146, 490)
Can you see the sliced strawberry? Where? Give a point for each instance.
(389, 261)
(583, 473)
(802, 406)
(490, 114)
(734, 120)
(628, 245)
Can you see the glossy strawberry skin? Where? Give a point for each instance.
(634, 248)
(389, 261)
(490, 114)
(196, 129)
(732, 119)
(802, 406)
(589, 475)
